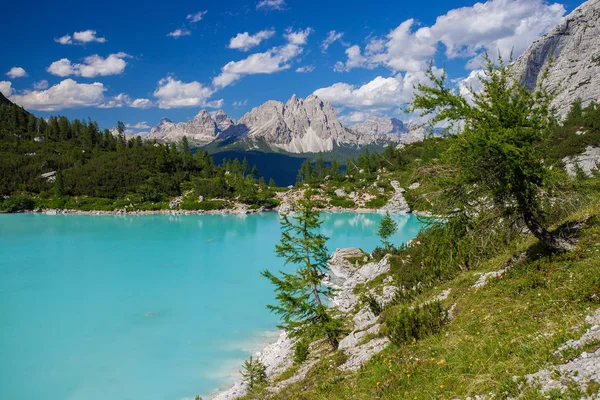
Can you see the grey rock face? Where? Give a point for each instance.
(201, 130)
(588, 161)
(298, 126)
(575, 46)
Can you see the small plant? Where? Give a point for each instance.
(301, 351)
(254, 372)
(375, 307)
(403, 324)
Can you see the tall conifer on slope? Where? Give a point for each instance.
(300, 294)
(497, 157)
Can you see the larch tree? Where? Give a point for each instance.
(498, 152)
(387, 227)
(301, 295)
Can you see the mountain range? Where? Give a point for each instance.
(298, 126)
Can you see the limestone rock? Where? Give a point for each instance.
(588, 161)
(575, 46)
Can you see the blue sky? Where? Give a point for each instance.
(140, 61)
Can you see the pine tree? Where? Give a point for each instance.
(254, 372)
(498, 152)
(59, 186)
(301, 294)
(387, 227)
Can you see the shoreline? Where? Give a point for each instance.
(234, 211)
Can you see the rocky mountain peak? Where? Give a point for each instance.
(574, 44)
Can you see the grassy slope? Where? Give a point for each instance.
(510, 327)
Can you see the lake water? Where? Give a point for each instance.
(142, 307)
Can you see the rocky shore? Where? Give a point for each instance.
(344, 276)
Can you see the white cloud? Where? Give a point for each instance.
(141, 103)
(270, 5)
(81, 37)
(332, 37)
(273, 60)
(354, 117)
(16, 72)
(238, 103)
(6, 88)
(172, 93)
(377, 95)
(92, 66)
(66, 94)
(139, 125)
(179, 33)
(64, 39)
(495, 25)
(43, 84)
(306, 68)
(122, 100)
(471, 84)
(298, 38)
(193, 18)
(355, 60)
(117, 101)
(245, 41)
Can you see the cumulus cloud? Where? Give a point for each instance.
(177, 33)
(81, 37)
(270, 5)
(141, 103)
(193, 18)
(139, 125)
(495, 26)
(355, 60)
(43, 84)
(354, 117)
(16, 72)
(124, 100)
(6, 88)
(298, 38)
(332, 37)
(92, 66)
(273, 60)
(380, 94)
(245, 41)
(66, 94)
(306, 68)
(172, 93)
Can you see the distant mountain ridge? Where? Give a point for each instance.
(298, 126)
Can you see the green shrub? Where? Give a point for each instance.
(341, 202)
(375, 307)
(377, 202)
(403, 324)
(17, 203)
(205, 205)
(301, 351)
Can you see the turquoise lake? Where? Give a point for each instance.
(142, 307)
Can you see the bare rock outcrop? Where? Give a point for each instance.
(574, 44)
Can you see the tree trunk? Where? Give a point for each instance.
(548, 239)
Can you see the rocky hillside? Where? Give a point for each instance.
(574, 44)
(298, 126)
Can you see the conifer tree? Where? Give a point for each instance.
(59, 186)
(301, 294)
(387, 227)
(498, 153)
(254, 372)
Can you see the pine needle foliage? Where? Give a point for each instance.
(301, 295)
(497, 158)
